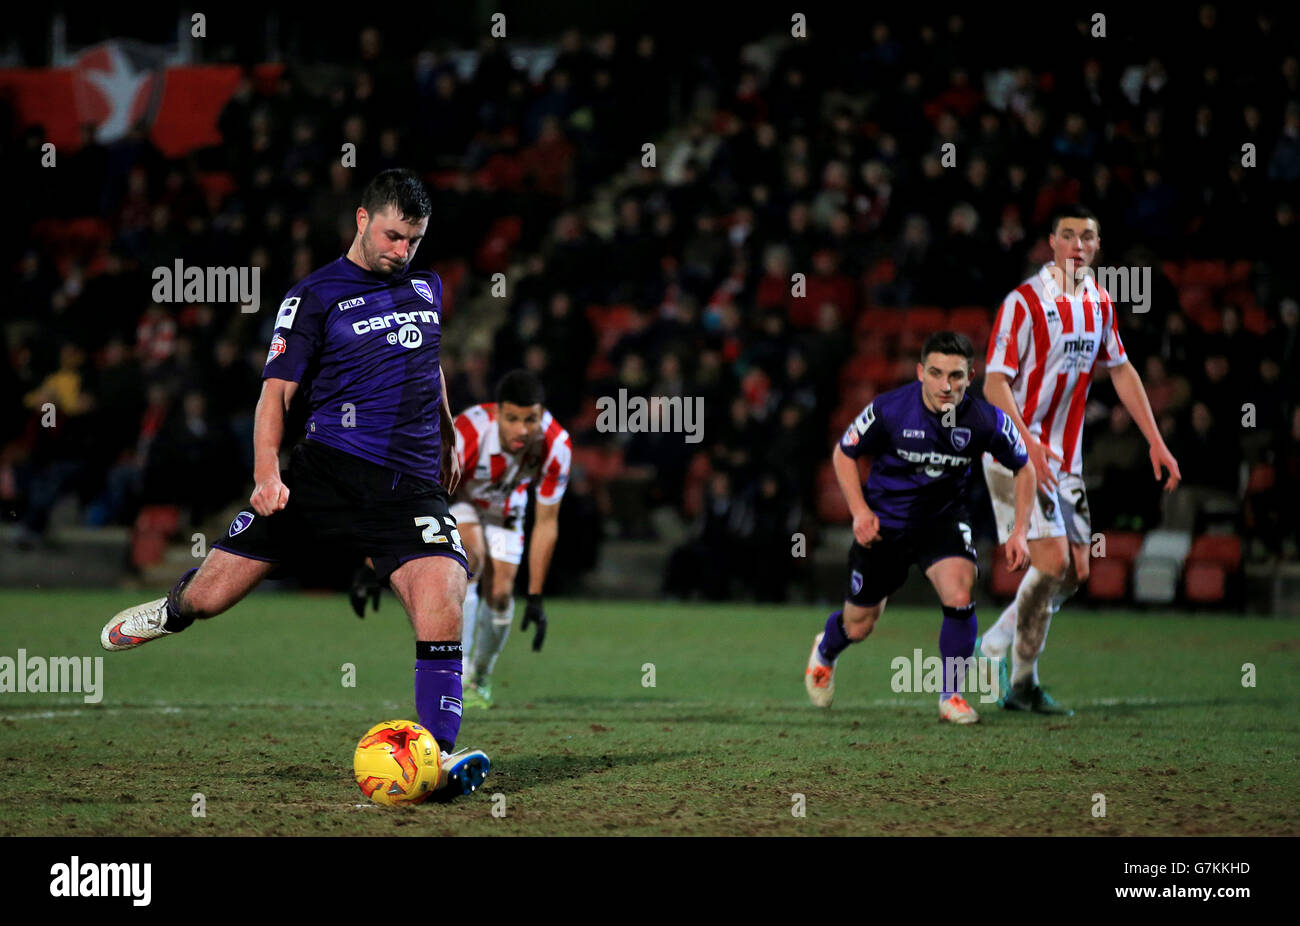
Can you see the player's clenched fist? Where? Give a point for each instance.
(866, 527)
(269, 496)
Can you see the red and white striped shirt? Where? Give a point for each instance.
(1047, 344)
(496, 482)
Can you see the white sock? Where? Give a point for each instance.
(1033, 607)
(1054, 605)
(1029, 671)
(493, 627)
(998, 638)
(469, 613)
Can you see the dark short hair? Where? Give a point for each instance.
(1073, 211)
(949, 342)
(400, 188)
(520, 387)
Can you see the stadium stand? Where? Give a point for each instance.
(676, 278)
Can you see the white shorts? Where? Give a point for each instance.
(1060, 514)
(504, 544)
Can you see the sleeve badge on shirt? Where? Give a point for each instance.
(423, 289)
(851, 436)
(288, 309)
(960, 438)
(855, 582)
(277, 348)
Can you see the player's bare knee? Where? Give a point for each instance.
(1054, 565)
(956, 598)
(858, 626)
(860, 630)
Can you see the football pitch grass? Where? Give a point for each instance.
(250, 711)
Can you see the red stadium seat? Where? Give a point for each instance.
(216, 186)
(921, 322)
(1239, 272)
(885, 322)
(158, 519)
(840, 419)
(976, 322)
(871, 369)
(148, 550)
(879, 273)
(1262, 478)
(1209, 273)
(1196, 300)
(1108, 579)
(831, 506)
(1205, 583)
(1256, 321)
(1004, 582)
(1174, 270)
(600, 463)
(1121, 547)
(1222, 550)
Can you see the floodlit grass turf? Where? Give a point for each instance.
(249, 710)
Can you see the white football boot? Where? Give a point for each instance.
(135, 625)
(819, 680)
(956, 710)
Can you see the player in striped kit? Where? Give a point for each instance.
(504, 447)
(1051, 332)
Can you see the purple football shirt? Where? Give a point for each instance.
(920, 465)
(364, 349)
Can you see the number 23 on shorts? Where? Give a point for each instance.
(433, 532)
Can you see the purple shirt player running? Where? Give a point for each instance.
(912, 511)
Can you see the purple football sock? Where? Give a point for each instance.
(175, 621)
(956, 642)
(834, 640)
(438, 689)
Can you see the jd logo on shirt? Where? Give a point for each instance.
(408, 336)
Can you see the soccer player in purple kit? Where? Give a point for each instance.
(359, 341)
(923, 437)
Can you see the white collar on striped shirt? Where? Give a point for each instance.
(1054, 292)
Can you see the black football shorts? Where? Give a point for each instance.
(340, 504)
(877, 571)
